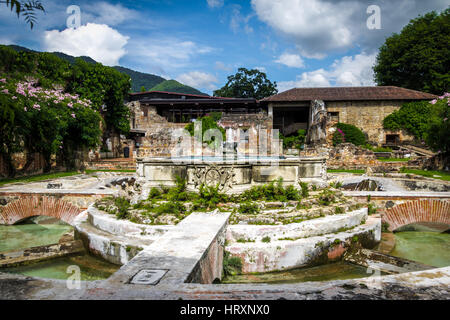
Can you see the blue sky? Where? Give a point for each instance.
(298, 43)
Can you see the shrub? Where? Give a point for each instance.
(231, 265)
(178, 193)
(327, 197)
(371, 208)
(348, 133)
(122, 205)
(155, 193)
(248, 208)
(208, 198)
(271, 192)
(266, 239)
(305, 189)
(294, 141)
(172, 207)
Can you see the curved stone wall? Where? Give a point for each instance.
(38, 205)
(429, 210)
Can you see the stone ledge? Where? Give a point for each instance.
(41, 253)
(290, 254)
(309, 228)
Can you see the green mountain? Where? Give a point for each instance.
(175, 86)
(138, 79)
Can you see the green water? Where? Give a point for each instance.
(430, 248)
(332, 271)
(24, 236)
(91, 268)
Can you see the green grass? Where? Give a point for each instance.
(393, 159)
(54, 175)
(121, 170)
(346, 170)
(39, 177)
(429, 174)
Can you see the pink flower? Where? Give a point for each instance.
(433, 101)
(73, 115)
(5, 91)
(3, 80)
(70, 105)
(37, 107)
(14, 97)
(25, 109)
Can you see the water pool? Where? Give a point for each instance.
(333, 271)
(24, 236)
(426, 247)
(91, 268)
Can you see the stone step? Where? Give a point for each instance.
(278, 255)
(305, 229)
(41, 253)
(384, 263)
(113, 248)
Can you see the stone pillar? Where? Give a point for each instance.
(317, 133)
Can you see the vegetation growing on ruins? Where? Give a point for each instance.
(231, 265)
(295, 141)
(208, 122)
(348, 133)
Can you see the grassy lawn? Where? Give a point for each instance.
(47, 176)
(393, 160)
(345, 170)
(429, 174)
(39, 177)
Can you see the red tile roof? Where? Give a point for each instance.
(349, 93)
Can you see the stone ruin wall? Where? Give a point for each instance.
(158, 139)
(367, 116)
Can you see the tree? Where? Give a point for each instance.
(438, 133)
(143, 89)
(418, 58)
(27, 9)
(248, 84)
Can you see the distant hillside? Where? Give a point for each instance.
(175, 86)
(138, 79)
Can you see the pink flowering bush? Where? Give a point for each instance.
(45, 120)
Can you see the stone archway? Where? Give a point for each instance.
(38, 205)
(429, 210)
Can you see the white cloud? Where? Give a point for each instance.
(98, 41)
(5, 41)
(291, 60)
(198, 79)
(261, 69)
(165, 55)
(215, 3)
(315, 25)
(222, 66)
(346, 72)
(237, 19)
(319, 27)
(106, 13)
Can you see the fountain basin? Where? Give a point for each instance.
(238, 174)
